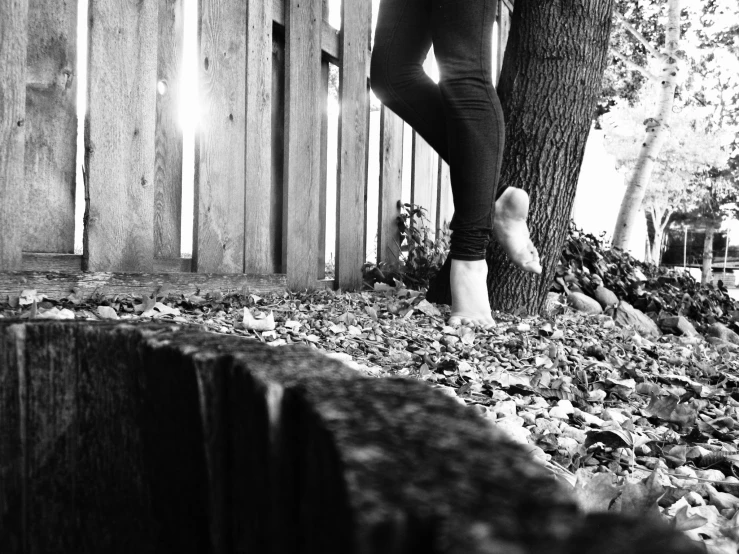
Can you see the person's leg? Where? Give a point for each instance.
(466, 100)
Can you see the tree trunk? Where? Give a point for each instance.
(706, 273)
(656, 132)
(660, 222)
(549, 85)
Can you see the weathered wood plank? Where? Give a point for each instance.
(353, 143)
(13, 41)
(278, 149)
(73, 262)
(445, 200)
(51, 126)
(169, 145)
(12, 470)
(505, 11)
(330, 37)
(424, 176)
(60, 284)
(302, 151)
(120, 136)
(259, 241)
(391, 186)
(219, 186)
(50, 438)
(323, 189)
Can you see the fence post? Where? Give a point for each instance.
(51, 127)
(391, 186)
(120, 137)
(424, 177)
(303, 20)
(444, 198)
(351, 202)
(220, 175)
(168, 175)
(259, 239)
(13, 41)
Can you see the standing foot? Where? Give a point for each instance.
(470, 302)
(511, 231)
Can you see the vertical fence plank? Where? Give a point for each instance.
(391, 186)
(504, 28)
(353, 142)
(323, 180)
(259, 241)
(120, 137)
(219, 196)
(278, 148)
(445, 201)
(302, 151)
(13, 40)
(51, 126)
(424, 176)
(168, 176)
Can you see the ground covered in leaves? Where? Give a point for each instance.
(634, 425)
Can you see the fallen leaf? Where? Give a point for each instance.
(260, 322)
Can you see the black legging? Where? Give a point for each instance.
(461, 117)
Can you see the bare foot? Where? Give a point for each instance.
(470, 303)
(511, 231)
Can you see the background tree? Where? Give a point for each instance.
(662, 70)
(549, 86)
(692, 145)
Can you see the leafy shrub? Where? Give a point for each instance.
(647, 287)
(422, 255)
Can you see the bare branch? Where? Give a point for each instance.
(636, 67)
(638, 36)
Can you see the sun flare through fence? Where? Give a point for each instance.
(265, 153)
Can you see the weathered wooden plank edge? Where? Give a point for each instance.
(36, 261)
(60, 284)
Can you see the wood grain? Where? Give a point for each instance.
(168, 171)
(219, 187)
(278, 148)
(12, 470)
(323, 182)
(120, 136)
(59, 284)
(13, 40)
(302, 151)
(424, 176)
(351, 182)
(445, 200)
(259, 240)
(51, 126)
(391, 186)
(330, 37)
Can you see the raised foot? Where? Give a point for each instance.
(470, 302)
(511, 231)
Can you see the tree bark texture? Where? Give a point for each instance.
(656, 132)
(660, 221)
(551, 79)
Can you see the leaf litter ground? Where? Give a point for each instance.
(633, 425)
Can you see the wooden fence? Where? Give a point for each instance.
(261, 152)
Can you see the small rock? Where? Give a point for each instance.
(559, 412)
(566, 405)
(568, 445)
(583, 303)
(730, 484)
(505, 408)
(106, 312)
(677, 325)
(694, 499)
(721, 331)
(628, 316)
(710, 474)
